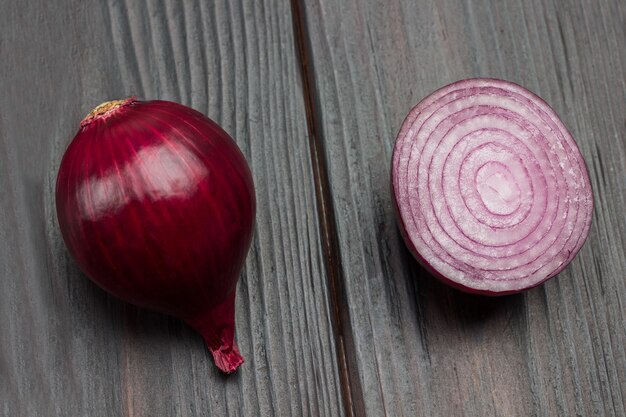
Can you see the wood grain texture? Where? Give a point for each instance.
(69, 349)
(424, 349)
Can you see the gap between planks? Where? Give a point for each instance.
(351, 392)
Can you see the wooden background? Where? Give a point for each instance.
(334, 317)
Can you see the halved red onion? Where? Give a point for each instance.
(491, 191)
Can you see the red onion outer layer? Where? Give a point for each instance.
(491, 191)
(156, 204)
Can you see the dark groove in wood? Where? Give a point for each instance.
(351, 390)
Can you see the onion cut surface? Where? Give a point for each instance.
(491, 191)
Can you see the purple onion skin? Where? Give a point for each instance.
(156, 204)
(467, 117)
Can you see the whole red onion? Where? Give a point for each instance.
(156, 204)
(491, 191)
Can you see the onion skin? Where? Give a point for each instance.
(491, 193)
(156, 204)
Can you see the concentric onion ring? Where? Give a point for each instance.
(491, 191)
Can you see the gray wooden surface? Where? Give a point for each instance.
(334, 316)
(428, 350)
(69, 349)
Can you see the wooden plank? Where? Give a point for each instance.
(422, 348)
(69, 349)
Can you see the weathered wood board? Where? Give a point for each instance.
(66, 347)
(424, 349)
